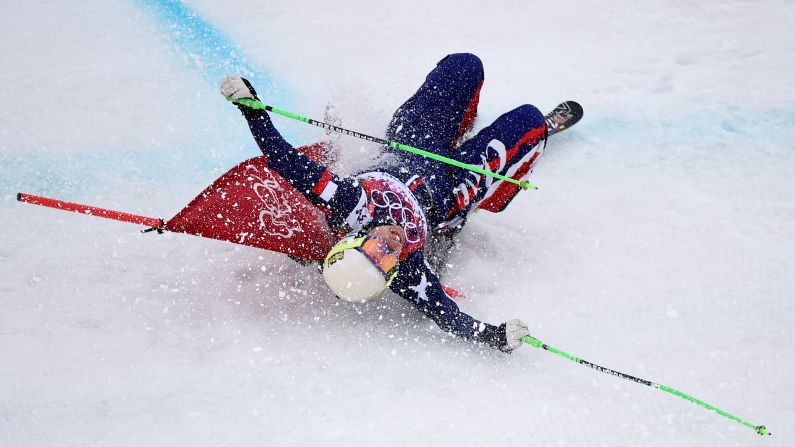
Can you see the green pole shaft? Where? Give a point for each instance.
(532, 341)
(254, 104)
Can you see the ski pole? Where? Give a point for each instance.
(760, 429)
(153, 222)
(254, 104)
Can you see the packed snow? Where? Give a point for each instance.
(661, 242)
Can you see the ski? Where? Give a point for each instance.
(565, 115)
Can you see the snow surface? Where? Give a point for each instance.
(661, 242)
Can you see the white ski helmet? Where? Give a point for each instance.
(352, 274)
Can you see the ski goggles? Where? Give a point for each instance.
(377, 251)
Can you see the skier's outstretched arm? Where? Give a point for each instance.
(417, 283)
(317, 183)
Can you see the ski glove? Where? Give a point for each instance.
(237, 88)
(511, 333)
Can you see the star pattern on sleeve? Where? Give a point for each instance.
(421, 288)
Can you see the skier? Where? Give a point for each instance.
(389, 212)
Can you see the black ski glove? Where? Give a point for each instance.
(507, 336)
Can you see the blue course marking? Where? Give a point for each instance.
(214, 53)
(208, 51)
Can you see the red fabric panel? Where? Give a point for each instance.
(253, 205)
(319, 152)
(507, 191)
(322, 183)
(469, 115)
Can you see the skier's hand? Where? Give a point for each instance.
(511, 333)
(236, 87)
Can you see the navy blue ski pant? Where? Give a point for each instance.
(436, 117)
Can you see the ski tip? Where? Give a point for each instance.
(565, 115)
(575, 108)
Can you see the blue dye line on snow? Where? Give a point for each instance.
(214, 55)
(207, 49)
(72, 175)
(76, 172)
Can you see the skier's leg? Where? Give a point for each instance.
(435, 118)
(443, 108)
(510, 146)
